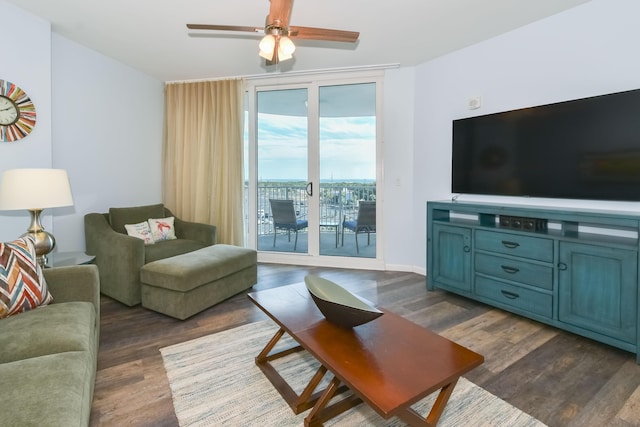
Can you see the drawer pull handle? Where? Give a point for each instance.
(510, 295)
(510, 270)
(510, 245)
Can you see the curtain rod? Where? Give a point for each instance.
(291, 73)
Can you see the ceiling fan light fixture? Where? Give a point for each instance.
(266, 55)
(276, 48)
(283, 56)
(276, 45)
(267, 47)
(286, 48)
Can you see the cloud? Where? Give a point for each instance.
(347, 147)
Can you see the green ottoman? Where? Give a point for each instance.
(186, 284)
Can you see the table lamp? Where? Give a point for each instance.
(35, 190)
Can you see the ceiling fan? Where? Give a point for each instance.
(276, 45)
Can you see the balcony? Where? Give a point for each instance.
(337, 201)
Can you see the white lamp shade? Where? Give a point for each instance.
(35, 189)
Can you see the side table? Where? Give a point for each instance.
(63, 259)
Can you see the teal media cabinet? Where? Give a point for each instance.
(575, 269)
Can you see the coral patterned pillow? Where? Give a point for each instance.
(162, 229)
(140, 230)
(22, 285)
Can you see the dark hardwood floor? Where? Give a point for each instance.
(560, 378)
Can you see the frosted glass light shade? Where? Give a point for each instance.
(35, 189)
(276, 48)
(267, 46)
(286, 47)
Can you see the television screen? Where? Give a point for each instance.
(581, 149)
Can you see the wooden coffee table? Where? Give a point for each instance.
(390, 363)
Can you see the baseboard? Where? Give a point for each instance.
(406, 268)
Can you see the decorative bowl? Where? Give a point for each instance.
(338, 305)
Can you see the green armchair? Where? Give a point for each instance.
(119, 256)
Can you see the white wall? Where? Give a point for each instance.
(107, 134)
(97, 118)
(398, 168)
(585, 51)
(26, 61)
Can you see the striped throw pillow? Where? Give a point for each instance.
(22, 284)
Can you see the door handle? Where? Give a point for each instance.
(309, 189)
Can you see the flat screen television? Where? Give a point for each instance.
(581, 149)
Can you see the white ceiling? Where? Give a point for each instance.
(151, 36)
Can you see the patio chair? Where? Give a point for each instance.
(365, 223)
(284, 218)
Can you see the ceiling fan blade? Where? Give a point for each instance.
(224, 28)
(311, 33)
(280, 10)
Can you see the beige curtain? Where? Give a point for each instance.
(202, 155)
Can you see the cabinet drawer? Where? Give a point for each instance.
(515, 296)
(537, 248)
(516, 270)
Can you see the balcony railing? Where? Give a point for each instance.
(337, 200)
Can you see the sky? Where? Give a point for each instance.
(347, 132)
(347, 148)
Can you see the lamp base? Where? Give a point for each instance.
(44, 241)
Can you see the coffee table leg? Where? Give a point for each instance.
(412, 418)
(264, 354)
(321, 412)
(297, 403)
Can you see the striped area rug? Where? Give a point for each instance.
(215, 382)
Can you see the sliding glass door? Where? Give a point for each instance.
(347, 153)
(313, 163)
(282, 153)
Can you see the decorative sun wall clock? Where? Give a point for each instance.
(17, 112)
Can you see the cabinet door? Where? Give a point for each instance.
(598, 289)
(452, 257)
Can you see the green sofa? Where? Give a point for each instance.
(120, 257)
(48, 355)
